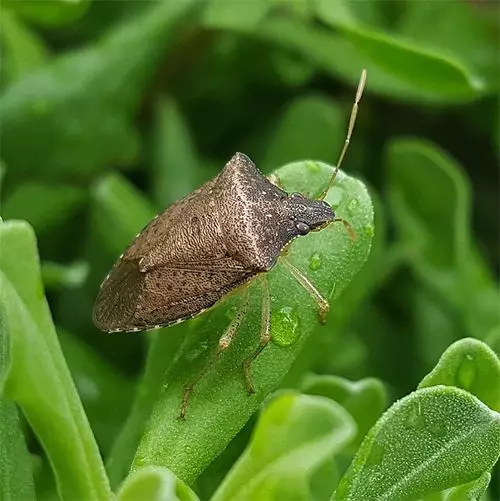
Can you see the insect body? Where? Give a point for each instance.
(230, 231)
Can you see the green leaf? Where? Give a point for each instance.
(49, 14)
(176, 163)
(310, 128)
(425, 69)
(118, 208)
(76, 113)
(56, 275)
(224, 14)
(294, 436)
(365, 400)
(16, 476)
(469, 364)
(464, 31)
(59, 202)
(163, 348)
(431, 440)
(341, 57)
(24, 50)
(37, 378)
(104, 391)
(220, 406)
(471, 491)
(436, 229)
(155, 484)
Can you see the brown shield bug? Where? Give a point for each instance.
(220, 237)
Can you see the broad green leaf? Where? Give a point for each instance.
(37, 378)
(311, 127)
(465, 31)
(220, 405)
(163, 348)
(469, 364)
(176, 164)
(414, 64)
(471, 491)
(56, 275)
(24, 50)
(118, 209)
(16, 476)
(433, 439)
(105, 392)
(59, 203)
(340, 57)
(365, 400)
(155, 484)
(437, 230)
(76, 113)
(293, 437)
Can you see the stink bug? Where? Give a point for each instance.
(220, 237)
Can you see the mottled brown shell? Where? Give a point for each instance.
(202, 247)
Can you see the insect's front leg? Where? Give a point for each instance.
(265, 332)
(224, 343)
(322, 303)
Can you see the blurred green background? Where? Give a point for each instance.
(113, 110)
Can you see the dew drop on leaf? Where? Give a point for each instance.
(286, 328)
(466, 372)
(312, 166)
(368, 230)
(352, 207)
(315, 262)
(437, 428)
(415, 419)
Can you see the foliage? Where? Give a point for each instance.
(111, 111)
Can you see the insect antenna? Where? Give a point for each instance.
(352, 121)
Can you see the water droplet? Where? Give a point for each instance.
(312, 166)
(368, 230)
(188, 449)
(466, 372)
(315, 262)
(285, 324)
(353, 206)
(415, 419)
(376, 455)
(437, 428)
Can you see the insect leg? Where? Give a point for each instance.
(224, 342)
(309, 287)
(265, 332)
(347, 226)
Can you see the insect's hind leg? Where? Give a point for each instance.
(265, 332)
(224, 343)
(322, 303)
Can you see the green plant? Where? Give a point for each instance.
(398, 396)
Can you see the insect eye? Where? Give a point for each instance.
(302, 228)
(296, 196)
